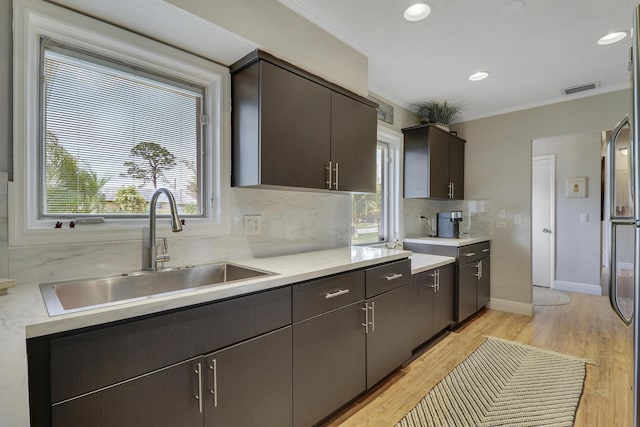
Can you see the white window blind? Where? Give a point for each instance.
(112, 134)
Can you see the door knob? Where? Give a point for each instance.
(546, 230)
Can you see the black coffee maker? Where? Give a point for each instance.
(449, 224)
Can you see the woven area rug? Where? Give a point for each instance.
(504, 383)
(546, 296)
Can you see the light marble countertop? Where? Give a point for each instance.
(424, 262)
(24, 315)
(446, 242)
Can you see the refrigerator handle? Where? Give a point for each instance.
(611, 167)
(613, 281)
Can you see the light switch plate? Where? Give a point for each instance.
(517, 219)
(503, 213)
(252, 225)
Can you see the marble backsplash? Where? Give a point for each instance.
(476, 216)
(292, 222)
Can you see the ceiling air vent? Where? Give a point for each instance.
(580, 88)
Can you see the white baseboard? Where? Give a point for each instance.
(511, 306)
(582, 288)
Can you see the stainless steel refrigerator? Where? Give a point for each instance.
(621, 215)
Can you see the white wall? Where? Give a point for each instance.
(498, 168)
(577, 242)
(282, 32)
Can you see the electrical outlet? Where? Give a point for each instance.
(584, 217)
(252, 225)
(503, 213)
(501, 224)
(517, 219)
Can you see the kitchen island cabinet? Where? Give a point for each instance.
(294, 129)
(433, 163)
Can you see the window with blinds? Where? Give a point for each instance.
(111, 134)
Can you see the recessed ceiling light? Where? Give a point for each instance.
(417, 12)
(478, 75)
(612, 38)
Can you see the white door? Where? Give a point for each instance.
(543, 196)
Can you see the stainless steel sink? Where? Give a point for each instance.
(77, 295)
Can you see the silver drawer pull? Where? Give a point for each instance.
(485, 250)
(330, 295)
(470, 254)
(394, 276)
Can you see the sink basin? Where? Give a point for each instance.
(76, 295)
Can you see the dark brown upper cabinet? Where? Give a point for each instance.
(294, 129)
(433, 163)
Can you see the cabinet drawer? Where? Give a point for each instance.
(386, 277)
(322, 295)
(473, 252)
(87, 361)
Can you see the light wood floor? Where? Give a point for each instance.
(586, 328)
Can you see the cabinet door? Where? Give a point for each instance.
(484, 283)
(438, 164)
(443, 313)
(467, 291)
(328, 363)
(389, 336)
(424, 290)
(295, 123)
(456, 166)
(249, 384)
(353, 144)
(166, 397)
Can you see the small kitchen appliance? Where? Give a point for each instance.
(449, 224)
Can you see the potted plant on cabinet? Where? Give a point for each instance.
(439, 113)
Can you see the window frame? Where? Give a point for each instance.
(34, 20)
(393, 169)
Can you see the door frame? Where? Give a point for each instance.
(552, 216)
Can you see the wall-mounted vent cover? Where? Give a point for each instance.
(580, 88)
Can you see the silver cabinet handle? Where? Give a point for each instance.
(199, 395)
(373, 316)
(214, 390)
(437, 280)
(366, 318)
(450, 191)
(330, 295)
(335, 183)
(469, 254)
(486, 250)
(394, 276)
(453, 190)
(329, 173)
(479, 270)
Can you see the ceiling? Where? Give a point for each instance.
(533, 49)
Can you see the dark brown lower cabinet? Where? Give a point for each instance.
(467, 290)
(162, 398)
(248, 384)
(474, 287)
(484, 284)
(388, 332)
(432, 303)
(329, 365)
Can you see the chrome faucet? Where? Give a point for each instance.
(176, 226)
